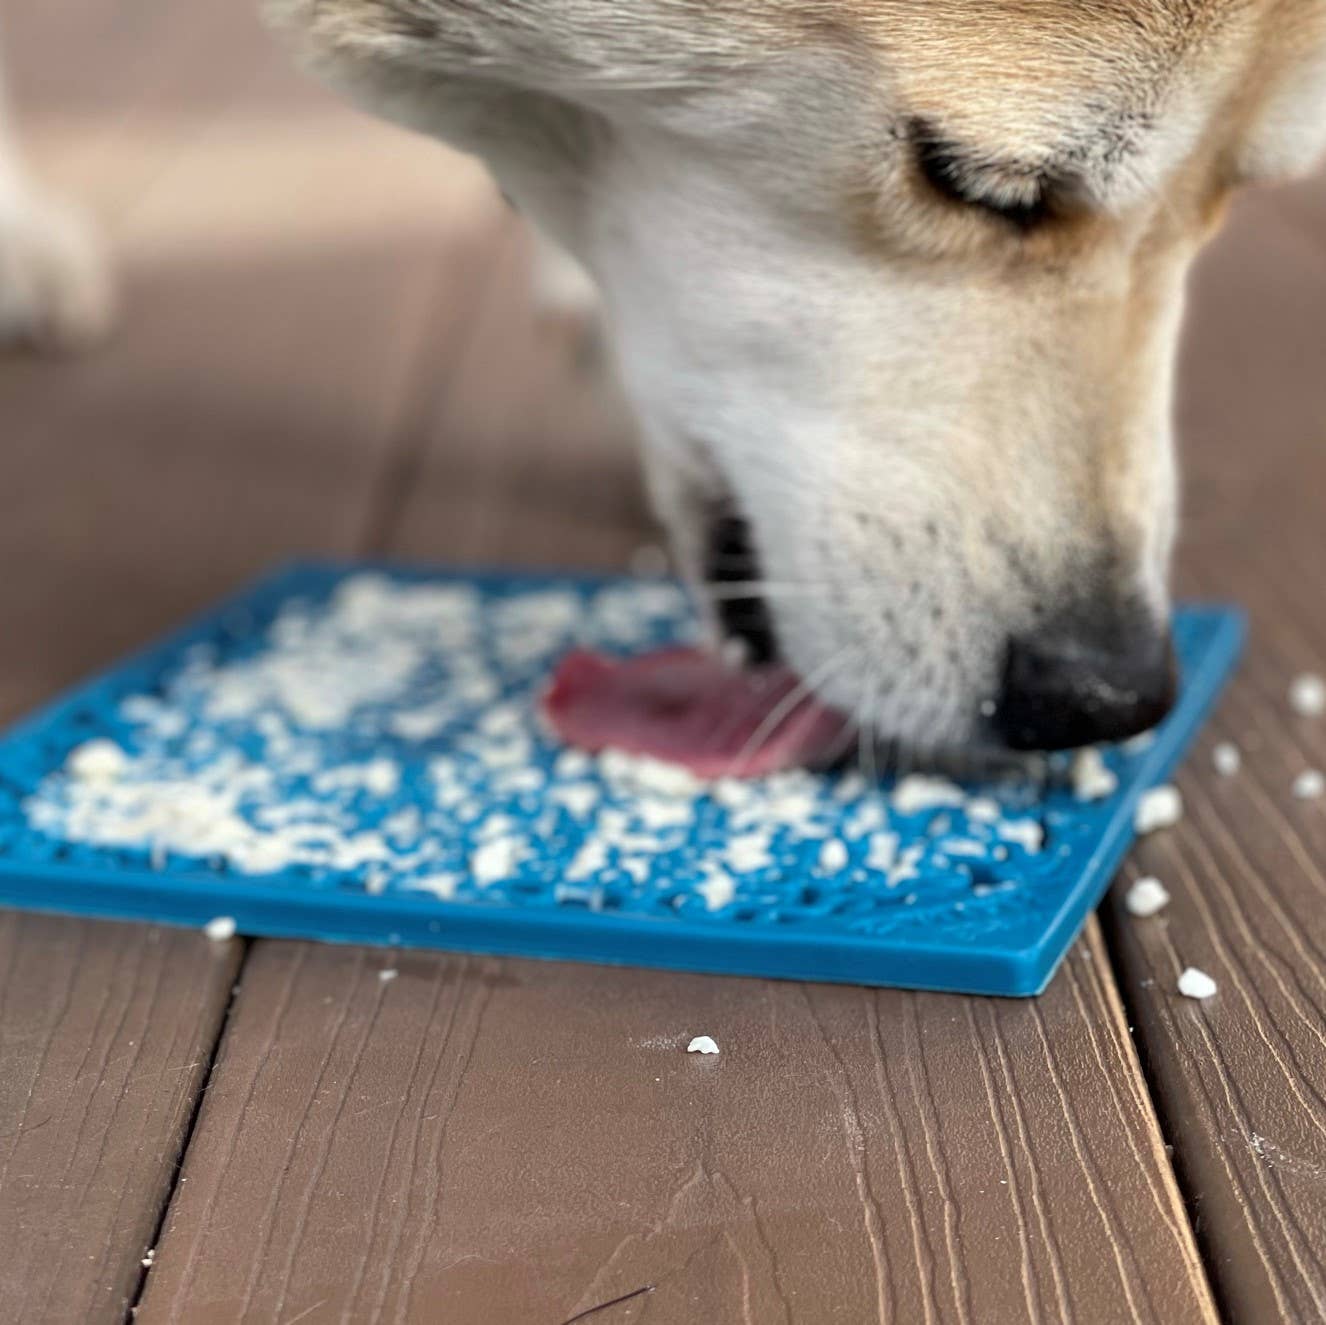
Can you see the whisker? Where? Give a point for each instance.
(803, 690)
(740, 590)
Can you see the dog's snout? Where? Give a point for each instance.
(1063, 689)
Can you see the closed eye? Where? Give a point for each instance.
(1014, 193)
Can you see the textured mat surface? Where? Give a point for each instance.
(354, 754)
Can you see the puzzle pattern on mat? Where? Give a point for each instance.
(357, 754)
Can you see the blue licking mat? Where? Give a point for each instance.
(354, 754)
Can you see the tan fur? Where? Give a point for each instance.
(931, 416)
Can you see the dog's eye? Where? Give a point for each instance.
(1022, 201)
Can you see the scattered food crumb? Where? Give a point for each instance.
(1142, 741)
(97, 761)
(984, 810)
(1196, 984)
(718, 889)
(1026, 833)
(389, 973)
(1307, 695)
(702, 1044)
(918, 792)
(1093, 780)
(1146, 897)
(1309, 784)
(1227, 759)
(147, 1260)
(495, 861)
(833, 856)
(220, 928)
(1161, 807)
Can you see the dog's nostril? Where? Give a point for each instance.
(1058, 693)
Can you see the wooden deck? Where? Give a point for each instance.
(327, 348)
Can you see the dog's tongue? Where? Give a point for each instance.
(687, 707)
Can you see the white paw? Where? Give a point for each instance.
(55, 292)
(562, 287)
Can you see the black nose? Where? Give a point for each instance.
(1060, 692)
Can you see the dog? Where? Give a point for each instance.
(893, 287)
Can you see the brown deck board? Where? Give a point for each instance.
(246, 410)
(1241, 1080)
(106, 1035)
(485, 1141)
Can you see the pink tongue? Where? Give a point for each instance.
(684, 706)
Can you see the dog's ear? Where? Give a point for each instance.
(582, 51)
(1288, 134)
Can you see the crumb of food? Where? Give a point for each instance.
(749, 851)
(882, 853)
(718, 889)
(382, 777)
(1161, 807)
(220, 928)
(1309, 785)
(495, 861)
(147, 1260)
(97, 761)
(1146, 897)
(1093, 779)
(442, 886)
(643, 773)
(1307, 695)
(1196, 984)
(1026, 833)
(917, 792)
(1227, 759)
(702, 1044)
(833, 856)
(388, 974)
(1142, 741)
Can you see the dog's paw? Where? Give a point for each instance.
(567, 308)
(55, 290)
(562, 287)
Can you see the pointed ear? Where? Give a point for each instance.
(1289, 134)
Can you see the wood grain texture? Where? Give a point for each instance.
(484, 1141)
(106, 1034)
(1241, 1080)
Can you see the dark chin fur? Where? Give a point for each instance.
(731, 559)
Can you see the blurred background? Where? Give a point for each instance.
(327, 345)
